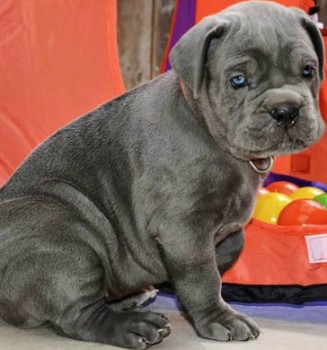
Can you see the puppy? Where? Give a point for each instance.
(158, 184)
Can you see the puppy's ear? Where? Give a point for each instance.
(315, 37)
(188, 57)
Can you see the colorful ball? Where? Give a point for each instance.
(322, 199)
(261, 191)
(303, 212)
(307, 192)
(269, 206)
(284, 187)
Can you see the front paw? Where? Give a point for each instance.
(228, 325)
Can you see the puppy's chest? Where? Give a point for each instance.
(239, 205)
(233, 205)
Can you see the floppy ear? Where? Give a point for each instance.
(315, 37)
(188, 57)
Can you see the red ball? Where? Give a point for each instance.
(301, 212)
(284, 187)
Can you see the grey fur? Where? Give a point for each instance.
(156, 184)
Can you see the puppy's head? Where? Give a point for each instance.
(254, 71)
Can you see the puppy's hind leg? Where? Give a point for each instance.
(48, 275)
(129, 329)
(79, 309)
(141, 299)
(74, 302)
(83, 313)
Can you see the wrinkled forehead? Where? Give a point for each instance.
(276, 38)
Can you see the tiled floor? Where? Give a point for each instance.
(283, 328)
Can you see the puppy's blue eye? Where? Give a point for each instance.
(308, 71)
(238, 81)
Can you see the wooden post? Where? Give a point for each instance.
(134, 40)
(143, 30)
(323, 11)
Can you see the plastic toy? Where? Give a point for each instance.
(269, 206)
(303, 212)
(262, 190)
(307, 192)
(322, 199)
(284, 187)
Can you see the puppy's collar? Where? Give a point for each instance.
(262, 165)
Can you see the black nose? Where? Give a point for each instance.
(285, 115)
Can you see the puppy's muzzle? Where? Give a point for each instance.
(285, 115)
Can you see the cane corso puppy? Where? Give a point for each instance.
(158, 184)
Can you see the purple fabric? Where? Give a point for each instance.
(313, 312)
(185, 19)
(308, 312)
(273, 177)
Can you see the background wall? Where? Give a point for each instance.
(143, 30)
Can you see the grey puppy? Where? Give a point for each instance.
(158, 184)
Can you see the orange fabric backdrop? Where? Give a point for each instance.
(58, 60)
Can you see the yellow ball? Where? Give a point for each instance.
(307, 192)
(269, 206)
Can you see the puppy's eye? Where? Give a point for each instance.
(308, 71)
(238, 81)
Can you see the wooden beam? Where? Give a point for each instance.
(135, 20)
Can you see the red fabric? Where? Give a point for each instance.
(58, 60)
(277, 255)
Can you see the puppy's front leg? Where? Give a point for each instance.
(193, 271)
